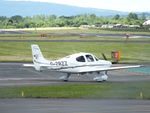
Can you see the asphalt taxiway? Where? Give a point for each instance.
(78, 34)
(73, 106)
(77, 41)
(14, 74)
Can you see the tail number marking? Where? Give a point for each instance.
(59, 63)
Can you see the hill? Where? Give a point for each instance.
(11, 8)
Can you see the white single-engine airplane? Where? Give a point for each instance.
(80, 63)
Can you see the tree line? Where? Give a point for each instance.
(18, 21)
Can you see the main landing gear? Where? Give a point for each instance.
(101, 76)
(65, 78)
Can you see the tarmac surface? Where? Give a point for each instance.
(80, 34)
(73, 106)
(79, 41)
(13, 32)
(15, 75)
(7, 34)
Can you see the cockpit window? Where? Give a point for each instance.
(89, 58)
(96, 58)
(80, 59)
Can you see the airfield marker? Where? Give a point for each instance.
(141, 95)
(22, 93)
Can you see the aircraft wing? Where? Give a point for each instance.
(28, 65)
(108, 69)
(85, 70)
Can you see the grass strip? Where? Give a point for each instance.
(80, 30)
(102, 90)
(21, 51)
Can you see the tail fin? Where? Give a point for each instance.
(37, 56)
(36, 53)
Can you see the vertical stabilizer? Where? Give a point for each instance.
(37, 56)
(36, 53)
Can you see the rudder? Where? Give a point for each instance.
(36, 53)
(37, 57)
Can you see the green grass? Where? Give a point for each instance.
(21, 51)
(90, 30)
(81, 30)
(101, 90)
(35, 34)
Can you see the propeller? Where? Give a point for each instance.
(104, 56)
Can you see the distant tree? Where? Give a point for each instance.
(116, 17)
(8, 22)
(132, 16)
(93, 16)
(18, 21)
(3, 18)
(143, 17)
(26, 25)
(16, 18)
(51, 17)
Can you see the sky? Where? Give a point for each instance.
(119, 5)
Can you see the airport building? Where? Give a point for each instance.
(146, 23)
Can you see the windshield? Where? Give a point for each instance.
(89, 58)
